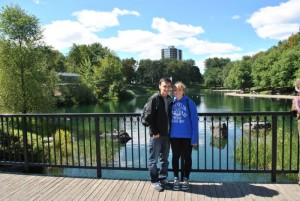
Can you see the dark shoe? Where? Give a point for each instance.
(186, 185)
(176, 186)
(165, 184)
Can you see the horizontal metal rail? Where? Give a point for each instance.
(236, 142)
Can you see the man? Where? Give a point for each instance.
(159, 126)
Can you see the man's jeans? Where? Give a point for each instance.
(159, 152)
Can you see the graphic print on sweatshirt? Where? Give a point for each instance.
(179, 112)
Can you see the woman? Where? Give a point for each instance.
(183, 134)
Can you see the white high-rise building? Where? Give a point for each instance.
(172, 53)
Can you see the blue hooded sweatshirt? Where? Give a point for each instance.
(184, 123)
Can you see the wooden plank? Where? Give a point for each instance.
(240, 192)
(149, 192)
(175, 195)
(247, 190)
(168, 195)
(90, 188)
(154, 194)
(219, 191)
(60, 187)
(14, 186)
(195, 195)
(288, 191)
(135, 191)
(51, 182)
(72, 187)
(229, 191)
(204, 190)
(28, 187)
(162, 195)
(145, 190)
(14, 181)
(213, 192)
(124, 189)
(33, 187)
(99, 185)
(279, 196)
(106, 190)
(267, 191)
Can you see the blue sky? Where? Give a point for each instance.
(140, 28)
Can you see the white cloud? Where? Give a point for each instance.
(201, 47)
(231, 56)
(175, 30)
(62, 34)
(277, 31)
(118, 12)
(277, 22)
(89, 25)
(235, 17)
(131, 40)
(97, 20)
(145, 43)
(148, 44)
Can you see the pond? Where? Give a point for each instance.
(206, 102)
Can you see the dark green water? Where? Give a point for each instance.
(205, 101)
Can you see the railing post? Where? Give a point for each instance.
(25, 143)
(98, 149)
(182, 168)
(274, 147)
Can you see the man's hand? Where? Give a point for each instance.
(156, 136)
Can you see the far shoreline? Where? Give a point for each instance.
(234, 93)
(261, 95)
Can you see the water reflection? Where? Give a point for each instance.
(208, 101)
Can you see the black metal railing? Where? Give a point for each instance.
(245, 142)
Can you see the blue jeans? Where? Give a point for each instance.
(159, 152)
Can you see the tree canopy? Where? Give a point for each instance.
(25, 81)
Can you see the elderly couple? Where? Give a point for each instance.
(172, 122)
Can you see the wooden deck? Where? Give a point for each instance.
(36, 187)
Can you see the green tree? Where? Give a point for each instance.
(99, 68)
(213, 75)
(262, 66)
(143, 72)
(109, 81)
(215, 63)
(79, 54)
(26, 84)
(195, 75)
(128, 69)
(53, 59)
(284, 70)
(240, 75)
(178, 70)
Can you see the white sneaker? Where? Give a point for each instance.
(156, 186)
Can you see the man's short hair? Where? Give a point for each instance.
(165, 79)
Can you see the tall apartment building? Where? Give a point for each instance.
(172, 53)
